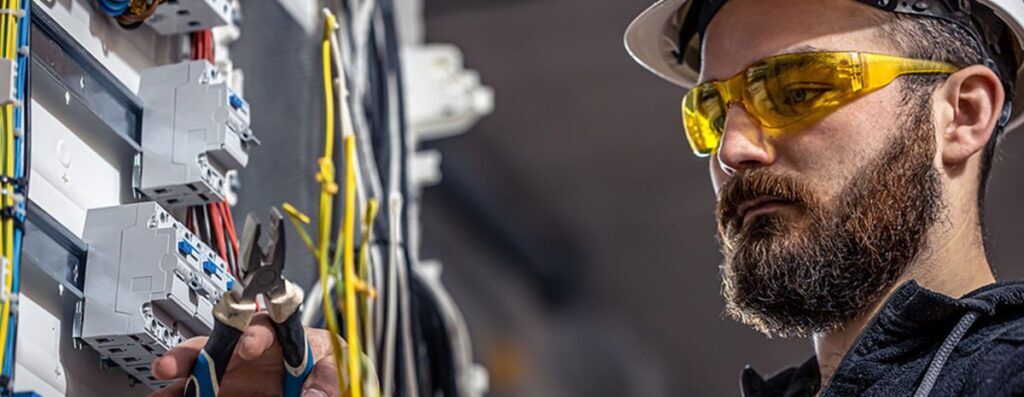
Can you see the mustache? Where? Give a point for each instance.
(748, 185)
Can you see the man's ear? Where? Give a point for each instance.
(973, 102)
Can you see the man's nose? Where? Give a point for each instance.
(744, 143)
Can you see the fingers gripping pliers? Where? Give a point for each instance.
(263, 269)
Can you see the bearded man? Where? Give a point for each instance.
(849, 144)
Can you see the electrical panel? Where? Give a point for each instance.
(195, 129)
(183, 16)
(149, 285)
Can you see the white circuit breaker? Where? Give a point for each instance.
(183, 16)
(195, 129)
(149, 285)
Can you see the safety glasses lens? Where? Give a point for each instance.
(784, 90)
(704, 118)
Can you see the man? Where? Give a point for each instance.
(849, 143)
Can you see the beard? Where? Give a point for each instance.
(786, 276)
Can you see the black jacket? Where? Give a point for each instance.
(923, 343)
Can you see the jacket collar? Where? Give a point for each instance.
(910, 316)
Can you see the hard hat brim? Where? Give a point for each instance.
(650, 41)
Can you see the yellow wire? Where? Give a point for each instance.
(328, 188)
(366, 292)
(351, 323)
(298, 219)
(10, 26)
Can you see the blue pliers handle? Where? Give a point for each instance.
(212, 362)
(298, 355)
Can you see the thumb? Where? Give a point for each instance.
(323, 381)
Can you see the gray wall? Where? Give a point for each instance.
(585, 159)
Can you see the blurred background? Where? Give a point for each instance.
(574, 226)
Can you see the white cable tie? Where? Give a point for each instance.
(16, 12)
(23, 50)
(19, 132)
(5, 295)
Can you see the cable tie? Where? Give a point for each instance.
(16, 12)
(5, 295)
(24, 50)
(18, 182)
(19, 132)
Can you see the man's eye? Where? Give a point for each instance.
(800, 94)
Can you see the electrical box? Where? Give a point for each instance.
(183, 16)
(149, 285)
(194, 130)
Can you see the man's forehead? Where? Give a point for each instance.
(745, 31)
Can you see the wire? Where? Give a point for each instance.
(328, 188)
(229, 227)
(14, 42)
(298, 220)
(351, 319)
(218, 230)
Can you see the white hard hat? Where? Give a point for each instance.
(653, 38)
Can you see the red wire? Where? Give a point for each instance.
(230, 226)
(232, 240)
(208, 34)
(218, 231)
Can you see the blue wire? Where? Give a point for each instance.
(19, 172)
(15, 275)
(114, 8)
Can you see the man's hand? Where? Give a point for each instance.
(256, 368)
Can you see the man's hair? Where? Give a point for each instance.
(935, 39)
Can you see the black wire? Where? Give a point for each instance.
(27, 124)
(232, 262)
(203, 224)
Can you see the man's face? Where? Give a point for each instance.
(816, 224)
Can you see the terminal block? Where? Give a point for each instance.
(183, 16)
(194, 130)
(149, 285)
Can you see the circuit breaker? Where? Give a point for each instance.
(194, 130)
(183, 16)
(149, 285)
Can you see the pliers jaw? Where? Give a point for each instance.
(263, 267)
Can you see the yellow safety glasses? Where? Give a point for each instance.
(783, 90)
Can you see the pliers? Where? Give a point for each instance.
(263, 269)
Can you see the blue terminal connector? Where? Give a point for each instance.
(209, 267)
(236, 101)
(185, 248)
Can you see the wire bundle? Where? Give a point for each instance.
(130, 14)
(215, 226)
(343, 266)
(14, 144)
(202, 45)
(366, 280)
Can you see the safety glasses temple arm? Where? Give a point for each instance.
(881, 69)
